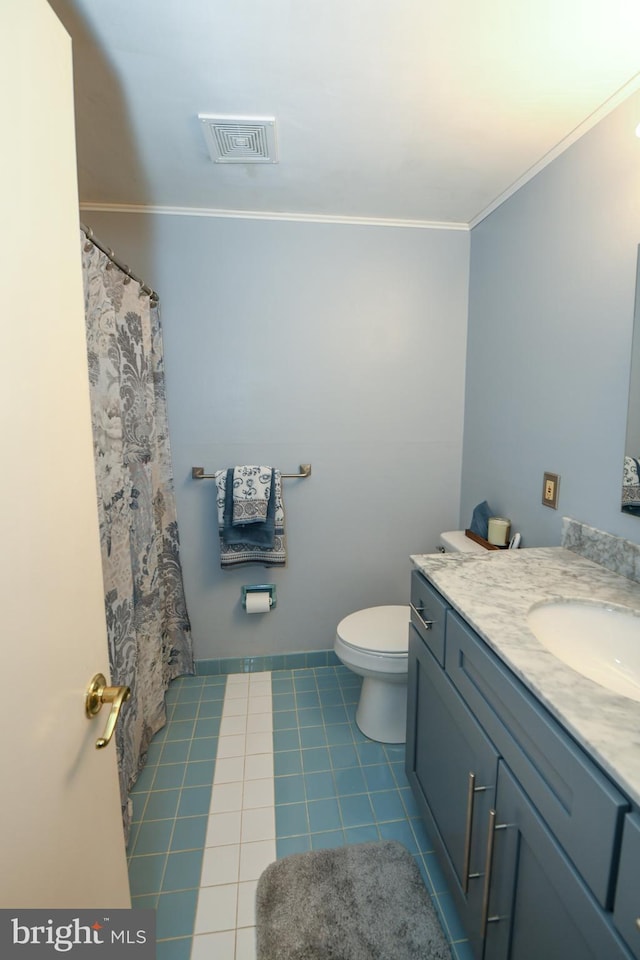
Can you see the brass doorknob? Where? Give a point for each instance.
(98, 693)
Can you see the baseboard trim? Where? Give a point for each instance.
(279, 661)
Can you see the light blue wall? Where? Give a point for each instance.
(632, 444)
(550, 327)
(285, 343)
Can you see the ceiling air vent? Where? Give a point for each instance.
(240, 139)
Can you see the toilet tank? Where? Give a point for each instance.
(455, 541)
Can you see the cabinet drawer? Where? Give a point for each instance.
(428, 614)
(626, 912)
(575, 799)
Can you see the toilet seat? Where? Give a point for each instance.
(380, 631)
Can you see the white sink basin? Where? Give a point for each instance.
(602, 642)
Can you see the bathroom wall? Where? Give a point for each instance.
(552, 283)
(291, 342)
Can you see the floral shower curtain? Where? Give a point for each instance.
(147, 623)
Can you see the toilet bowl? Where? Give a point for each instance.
(374, 643)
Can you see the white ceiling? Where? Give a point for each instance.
(429, 111)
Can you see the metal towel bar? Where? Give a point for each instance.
(197, 473)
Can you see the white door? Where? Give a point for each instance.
(61, 838)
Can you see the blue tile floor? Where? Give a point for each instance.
(251, 767)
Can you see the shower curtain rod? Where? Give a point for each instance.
(89, 234)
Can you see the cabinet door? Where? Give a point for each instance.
(538, 908)
(452, 768)
(626, 912)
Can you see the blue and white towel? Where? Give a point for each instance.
(631, 476)
(251, 489)
(631, 486)
(255, 542)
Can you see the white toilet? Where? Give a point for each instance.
(374, 643)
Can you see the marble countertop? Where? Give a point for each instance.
(494, 591)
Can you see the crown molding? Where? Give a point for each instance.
(594, 118)
(90, 207)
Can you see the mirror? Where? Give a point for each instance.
(631, 475)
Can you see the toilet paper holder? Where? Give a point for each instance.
(269, 588)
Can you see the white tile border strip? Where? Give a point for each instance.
(241, 834)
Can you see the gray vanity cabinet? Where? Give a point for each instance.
(452, 767)
(526, 828)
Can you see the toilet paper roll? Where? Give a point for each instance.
(258, 602)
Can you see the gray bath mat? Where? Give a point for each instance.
(361, 902)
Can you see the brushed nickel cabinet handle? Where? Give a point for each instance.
(427, 624)
(471, 795)
(488, 868)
